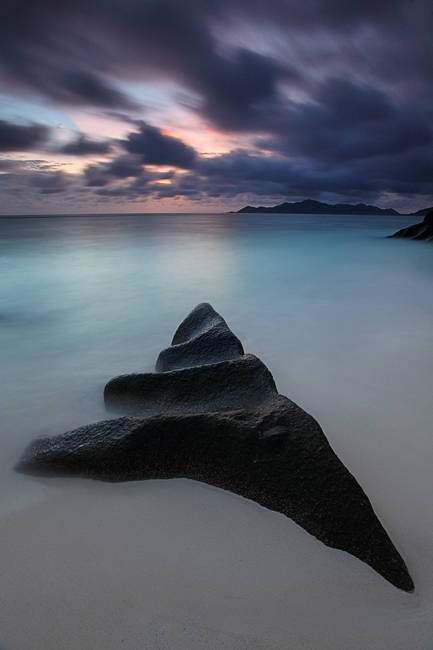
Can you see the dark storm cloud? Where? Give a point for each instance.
(120, 168)
(240, 172)
(243, 93)
(96, 176)
(85, 88)
(124, 167)
(83, 146)
(155, 148)
(348, 121)
(46, 48)
(337, 95)
(70, 50)
(16, 137)
(50, 182)
(26, 182)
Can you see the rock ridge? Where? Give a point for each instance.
(212, 413)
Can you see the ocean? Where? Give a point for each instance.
(343, 318)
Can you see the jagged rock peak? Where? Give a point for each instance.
(202, 337)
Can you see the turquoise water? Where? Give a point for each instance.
(340, 314)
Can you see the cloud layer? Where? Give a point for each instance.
(324, 97)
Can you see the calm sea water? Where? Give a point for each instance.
(342, 316)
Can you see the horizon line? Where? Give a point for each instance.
(130, 214)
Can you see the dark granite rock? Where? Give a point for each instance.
(223, 423)
(422, 231)
(203, 337)
(239, 383)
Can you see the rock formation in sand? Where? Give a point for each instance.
(422, 230)
(213, 414)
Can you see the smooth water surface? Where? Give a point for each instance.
(342, 316)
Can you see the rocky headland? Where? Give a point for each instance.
(421, 231)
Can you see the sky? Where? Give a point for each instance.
(209, 105)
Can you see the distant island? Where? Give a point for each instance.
(317, 207)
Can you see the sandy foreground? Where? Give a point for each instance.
(178, 564)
